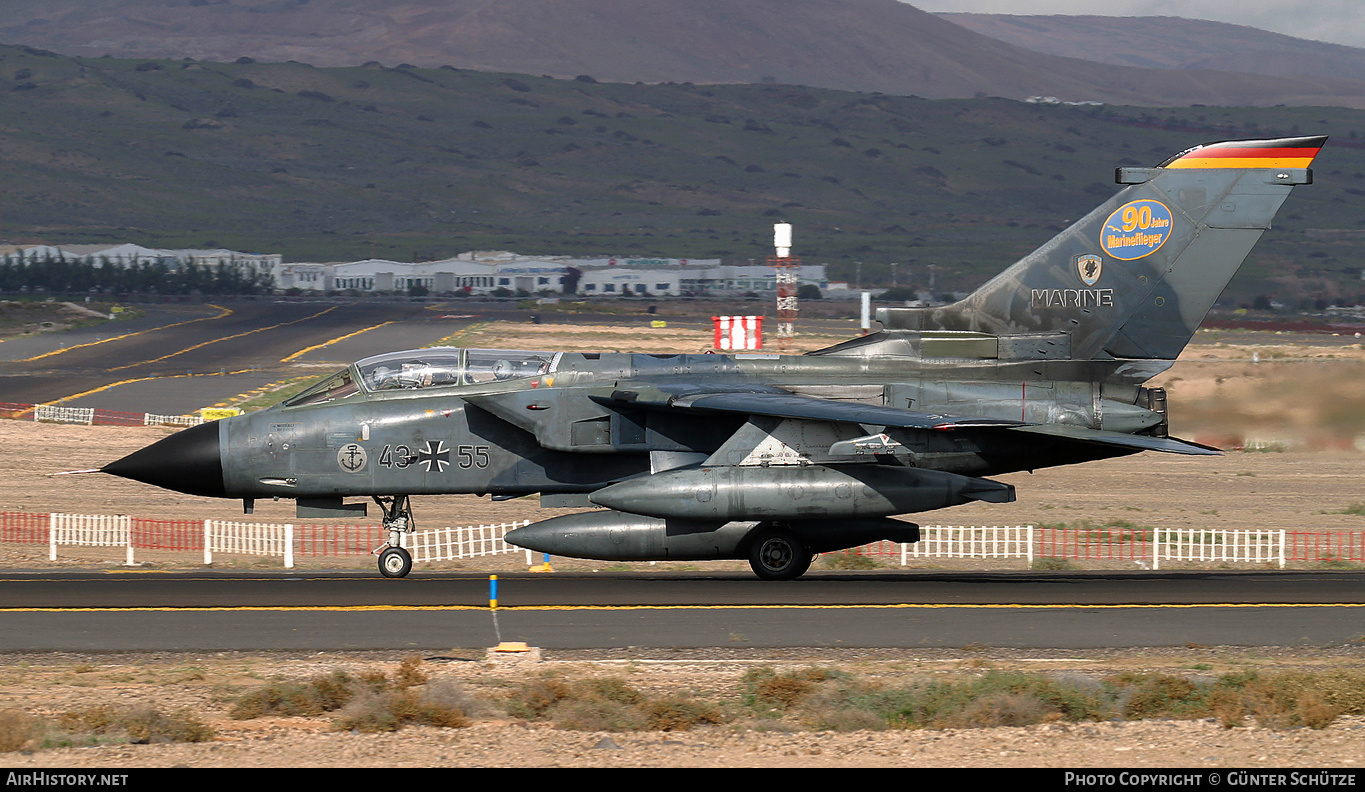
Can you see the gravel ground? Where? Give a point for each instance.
(49, 685)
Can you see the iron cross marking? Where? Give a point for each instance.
(435, 456)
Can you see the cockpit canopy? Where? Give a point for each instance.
(435, 367)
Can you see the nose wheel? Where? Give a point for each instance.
(395, 562)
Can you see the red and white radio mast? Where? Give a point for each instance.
(787, 269)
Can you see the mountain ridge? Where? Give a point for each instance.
(1162, 42)
(862, 45)
(415, 164)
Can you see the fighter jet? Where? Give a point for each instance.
(776, 458)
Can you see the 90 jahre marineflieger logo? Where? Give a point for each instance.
(1136, 229)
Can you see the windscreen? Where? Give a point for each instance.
(337, 386)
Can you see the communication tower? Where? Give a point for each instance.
(787, 269)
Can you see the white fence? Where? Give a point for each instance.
(970, 541)
(96, 416)
(260, 539)
(76, 415)
(1226, 546)
(1027, 542)
(1023, 542)
(152, 419)
(471, 541)
(273, 539)
(89, 530)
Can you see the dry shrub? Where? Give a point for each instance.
(146, 725)
(332, 691)
(606, 704)
(784, 692)
(1344, 689)
(680, 713)
(1315, 713)
(441, 703)
(613, 689)
(1272, 709)
(1000, 709)
(1289, 699)
(990, 699)
(768, 690)
(18, 730)
(368, 712)
(597, 715)
(1229, 707)
(323, 693)
(410, 673)
(450, 695)
(137, 724)
(534, 697)
(1162, 696)
(290, 698)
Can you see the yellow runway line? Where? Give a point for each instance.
(303, 352)
(224, 338)
(528, 608)
(225, 312)
(139, 379)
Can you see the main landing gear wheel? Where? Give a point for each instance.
(395, 562)
(777, 554)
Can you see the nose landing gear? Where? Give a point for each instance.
(394, 561)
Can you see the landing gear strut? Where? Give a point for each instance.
(394, 561)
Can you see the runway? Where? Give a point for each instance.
(211, 611)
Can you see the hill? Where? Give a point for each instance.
(410, 164)
(861, 45)
(1170, 43)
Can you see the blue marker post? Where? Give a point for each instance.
(493, 606)
(503, 648)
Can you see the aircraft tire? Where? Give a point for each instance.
(395, 562)
(776, 554)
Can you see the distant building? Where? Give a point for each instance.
(476, 272)
(487, 272)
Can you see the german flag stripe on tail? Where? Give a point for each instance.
(1276, 153)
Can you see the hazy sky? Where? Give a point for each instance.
(1337, 21)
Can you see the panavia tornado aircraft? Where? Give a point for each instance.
(774, 458)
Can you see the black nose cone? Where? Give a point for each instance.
(187, 462)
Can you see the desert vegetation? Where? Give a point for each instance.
(814, 698)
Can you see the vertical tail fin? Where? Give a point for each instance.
(1136, 276)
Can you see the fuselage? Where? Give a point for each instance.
(506, 422)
